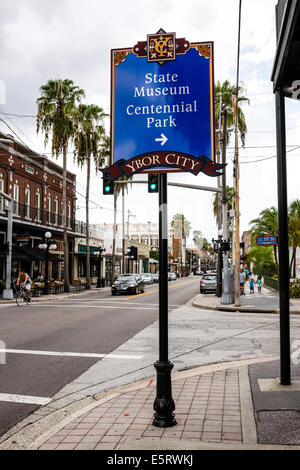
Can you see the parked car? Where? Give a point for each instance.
(208, 283)
(172, 276)
(198, 273)
(128, 283)
(147, 278)
(155, 277)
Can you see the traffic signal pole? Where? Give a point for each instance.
(164, 404)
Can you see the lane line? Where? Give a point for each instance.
(69, 354)
(92, 306)
(27, 399)
(156, 290)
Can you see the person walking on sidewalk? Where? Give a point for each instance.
(251, 285)
(258, 282)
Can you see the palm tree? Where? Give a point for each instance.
(294, 232)
(55, 116)
(224, 98)
(225, 94)
(230, 196)
(266, 224)
(89, 132)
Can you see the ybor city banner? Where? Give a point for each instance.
(166, 161)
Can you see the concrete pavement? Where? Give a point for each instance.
(238, 404)
(266, 302)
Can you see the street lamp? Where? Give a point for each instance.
(47, 245)
(99, 252)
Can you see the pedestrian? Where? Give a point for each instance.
(24, 278)
(246, 274)
(242, 282)
(251, 285)
(258, 282)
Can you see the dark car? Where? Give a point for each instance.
(208, 283)
(131, 283)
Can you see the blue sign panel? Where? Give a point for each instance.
(266, 240)
(163, 107)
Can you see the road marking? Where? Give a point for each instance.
(27, 399)
(92, 306)
(156, 290)
(68, 354)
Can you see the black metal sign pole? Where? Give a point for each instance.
(164, 404)
(284, 275)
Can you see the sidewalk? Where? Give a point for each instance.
(237, 405)
(266, 302)
(63, 295)
(221, 406)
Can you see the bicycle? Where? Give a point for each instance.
(21, 295)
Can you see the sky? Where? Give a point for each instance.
(42, 40)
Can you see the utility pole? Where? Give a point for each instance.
(226, 298)
(236, 177)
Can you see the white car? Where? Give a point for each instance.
(147, 278)
(172, 276)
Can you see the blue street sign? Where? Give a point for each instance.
(167, 107)
(266, 240)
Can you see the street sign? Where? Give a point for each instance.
(162, 104)
(267, 240)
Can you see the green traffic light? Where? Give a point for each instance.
(153, 186)
(107, 189)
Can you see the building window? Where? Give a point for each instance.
(38, 206)
(69, 216)
(1, 199)
(49, 210)
(27, 203)
(56, 212)
(16, 199)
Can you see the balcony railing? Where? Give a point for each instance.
(37, 216)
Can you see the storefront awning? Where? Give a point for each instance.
(37, 254)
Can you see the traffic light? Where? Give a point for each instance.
(108, 186)
(132, 252)
(153, 183)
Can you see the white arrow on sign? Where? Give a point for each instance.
(163, 139)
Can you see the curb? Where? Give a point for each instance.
(235, 309)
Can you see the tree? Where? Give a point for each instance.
(89, 133)
(181, 226)
(225, 94)
(224, 98)
(263, 260)
(294, 233)
(55, 117)
(266, 224)
(230, 197)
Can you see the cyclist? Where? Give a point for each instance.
(24, 278)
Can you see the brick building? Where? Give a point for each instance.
(35, 184)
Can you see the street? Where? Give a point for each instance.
(51, 344)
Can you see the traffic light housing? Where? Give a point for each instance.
(108, 186)
(132, 252)
(152, 183)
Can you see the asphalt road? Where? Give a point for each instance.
(52, 343)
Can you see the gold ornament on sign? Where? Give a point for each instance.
(204, 51)
(120, 57)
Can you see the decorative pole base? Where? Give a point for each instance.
(164, 404)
